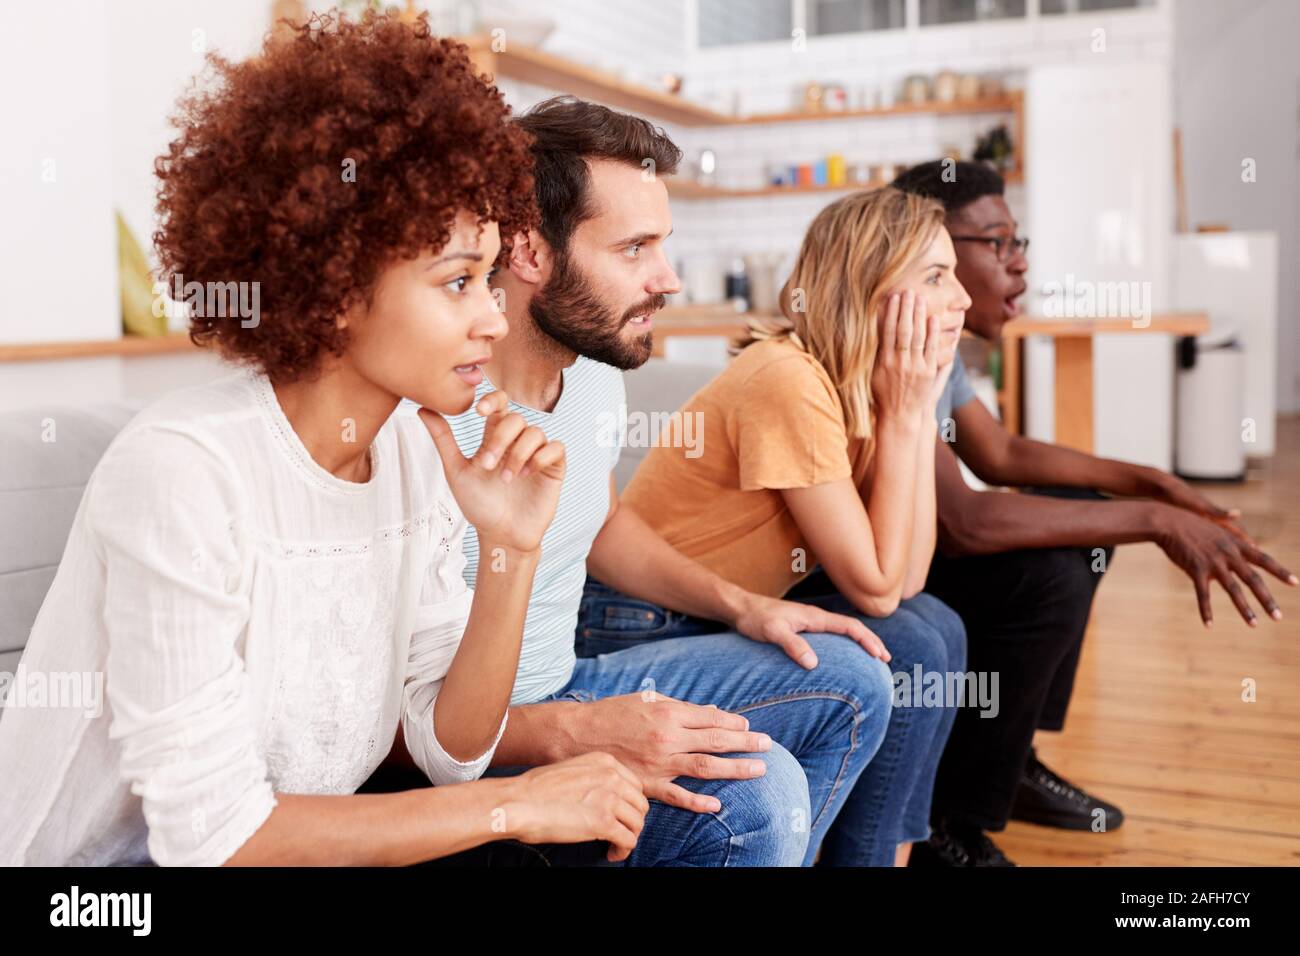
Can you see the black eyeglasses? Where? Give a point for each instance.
(1003, 247)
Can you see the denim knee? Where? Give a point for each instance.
(868, 681)
(877, 685)
(947, 625)
(767, 819)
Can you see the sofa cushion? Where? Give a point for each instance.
(48, 457)
(658, 386)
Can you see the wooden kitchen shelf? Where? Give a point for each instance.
(128, 345)
(539, 67)
(530, 65)
(1012, 102)
(689, 189)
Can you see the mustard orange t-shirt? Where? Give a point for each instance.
(771, 420)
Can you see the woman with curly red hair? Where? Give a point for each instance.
(266, 570)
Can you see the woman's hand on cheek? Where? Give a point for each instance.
(510, 488)
(906, 356)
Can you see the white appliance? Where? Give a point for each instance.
(1233, 277)
(1211, 399)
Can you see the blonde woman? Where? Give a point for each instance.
(819, 444)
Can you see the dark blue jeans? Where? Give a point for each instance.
(825, 725)
(890, 802)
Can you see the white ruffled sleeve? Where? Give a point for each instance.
(439, 625)
(159, 509)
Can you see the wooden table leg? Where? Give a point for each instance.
(1074, 392)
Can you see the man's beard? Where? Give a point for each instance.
(568, 309)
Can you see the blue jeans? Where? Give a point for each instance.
(825, 724)
(890, 802)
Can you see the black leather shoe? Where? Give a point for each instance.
(1049, 800)
(951, 847)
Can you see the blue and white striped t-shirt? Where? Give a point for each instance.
(583, 420)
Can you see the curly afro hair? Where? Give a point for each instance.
(309, 168)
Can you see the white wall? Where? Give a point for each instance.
(1237, 96)
(58, 246)
(98, 81)
(156, 47)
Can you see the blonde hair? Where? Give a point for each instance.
(855, 251)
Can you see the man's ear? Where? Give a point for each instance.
(530, 257)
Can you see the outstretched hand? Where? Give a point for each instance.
(1207, 552)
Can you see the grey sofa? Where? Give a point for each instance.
(658, 386)
(48, 455)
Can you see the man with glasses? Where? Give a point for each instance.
(1022, 569)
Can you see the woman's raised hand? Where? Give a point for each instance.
(509, 489)
(907, 356)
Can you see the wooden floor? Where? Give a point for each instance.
(1158, 725)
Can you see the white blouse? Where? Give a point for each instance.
(258, 626)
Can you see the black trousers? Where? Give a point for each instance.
(1025, 614)
(499, 852)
